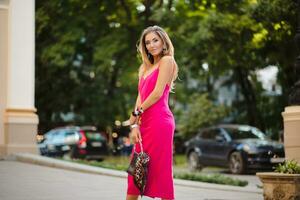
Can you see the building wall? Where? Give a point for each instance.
(21, 69)
(18, 121)
(3, 64)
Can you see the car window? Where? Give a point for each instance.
(218, 134)
(69, 133)
(93, 135)
(71, 136)
(210, 134)
(245, 133)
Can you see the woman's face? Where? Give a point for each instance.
(154, 44)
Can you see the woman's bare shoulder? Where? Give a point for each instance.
(166, 61)
(167, 58)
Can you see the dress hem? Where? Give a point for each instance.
(154, 196)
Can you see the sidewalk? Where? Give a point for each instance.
(64, 180)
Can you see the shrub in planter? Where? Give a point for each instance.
(283, 184)
(288, 167)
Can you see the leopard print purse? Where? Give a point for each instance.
(138, 168)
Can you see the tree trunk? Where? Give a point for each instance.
(113, 81)
(170, 4)
(253, 115)
(147, 12)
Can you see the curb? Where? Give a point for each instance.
(51, 162)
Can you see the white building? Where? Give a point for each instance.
(18, 121)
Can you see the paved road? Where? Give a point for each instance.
(22, 181)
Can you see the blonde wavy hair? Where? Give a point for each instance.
(147, 58)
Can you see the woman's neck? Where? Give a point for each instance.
(156, 59)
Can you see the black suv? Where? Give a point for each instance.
(74, 142)
(239, 147)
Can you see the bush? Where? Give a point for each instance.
(288, 167)
(214, 178)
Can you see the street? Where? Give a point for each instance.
(22, 181)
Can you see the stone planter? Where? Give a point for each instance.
(279, 186)
(291, 119)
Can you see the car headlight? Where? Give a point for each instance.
(249, 149)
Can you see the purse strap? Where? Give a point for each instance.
(134, 149)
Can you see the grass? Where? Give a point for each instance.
(109, 162)
(180, 170)
(180, 161)
(122, 162)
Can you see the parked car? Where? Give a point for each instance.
(74, 142)
(239, 147)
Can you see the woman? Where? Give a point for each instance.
(152, 122)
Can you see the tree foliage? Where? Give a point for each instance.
(86, 59)
(201, 112)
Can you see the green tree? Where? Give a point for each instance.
(236, 38)
(200, 112)
(86, 60)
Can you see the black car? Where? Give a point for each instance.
(74, 142)
(239, 147)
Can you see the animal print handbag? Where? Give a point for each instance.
(138, 168)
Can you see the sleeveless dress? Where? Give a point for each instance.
(157, 131)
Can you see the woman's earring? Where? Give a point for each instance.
(164, 51)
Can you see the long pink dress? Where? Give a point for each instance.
(157, 130)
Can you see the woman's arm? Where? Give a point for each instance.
(138, 101)
(164, 76)
(132, 118)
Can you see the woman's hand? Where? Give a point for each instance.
(135, 135)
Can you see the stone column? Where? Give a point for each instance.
(3, 67)
(291, 119)
(18, 121)
(291, 114)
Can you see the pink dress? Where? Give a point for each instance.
(157, 130)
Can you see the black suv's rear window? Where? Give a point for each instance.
(92, 135)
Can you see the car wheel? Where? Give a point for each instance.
(193, 161)
(236, 163)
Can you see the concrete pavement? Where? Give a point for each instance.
(25, 181)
